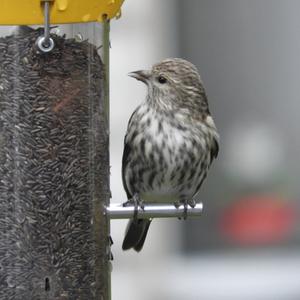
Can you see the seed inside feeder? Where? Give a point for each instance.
(53, 170)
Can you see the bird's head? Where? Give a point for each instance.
(174, 83)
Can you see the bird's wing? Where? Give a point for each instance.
(125, 159)
(214, 149)
(124, 165)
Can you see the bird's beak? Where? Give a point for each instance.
(142, 75)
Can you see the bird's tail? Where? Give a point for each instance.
(136, 233)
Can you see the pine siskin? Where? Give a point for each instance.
(170, 142)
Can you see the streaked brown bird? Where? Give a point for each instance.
(170, 143)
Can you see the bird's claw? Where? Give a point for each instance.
(185, 214)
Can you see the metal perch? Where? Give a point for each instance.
(118, 211)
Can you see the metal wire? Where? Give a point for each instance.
(45, 43)
(118, 211)
(47, 24)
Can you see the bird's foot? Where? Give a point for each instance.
(186, 204)
(132, 201)
(191, 203)
(137, 202)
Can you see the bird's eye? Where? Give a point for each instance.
(161, 79)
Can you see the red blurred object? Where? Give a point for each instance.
(258, 220)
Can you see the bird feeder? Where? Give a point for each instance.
(54, 163)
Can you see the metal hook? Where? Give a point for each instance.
(149, 211)
(45, 43)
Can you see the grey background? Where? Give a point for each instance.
(248, 55)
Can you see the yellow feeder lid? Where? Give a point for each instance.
(30, 12)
